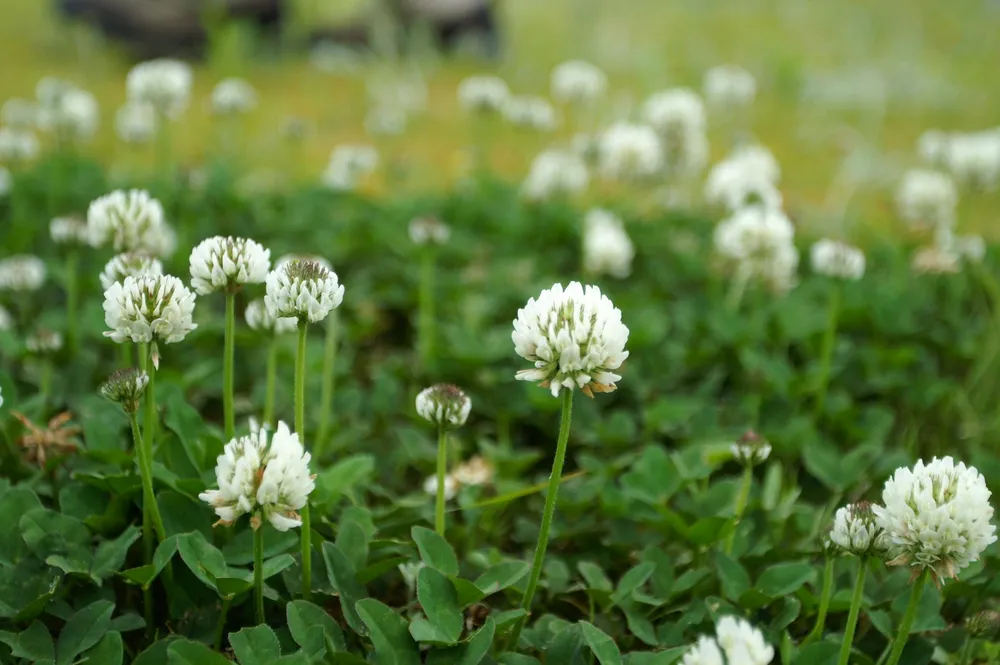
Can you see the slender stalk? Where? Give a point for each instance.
(911, 613)
(272, 374)
(824, 603)
(300, 429)
(227, 366)
(550, 508)
(736, 290)
(826, 353)
(258, 570)
(326, 391)
(125, 349)
(45, 380)
(442, 468)
(149, 430)
(741, 505)
(72, 268)
(220, 625)
(852, 617)
(147, 523)
(425, 311)
(966, 656)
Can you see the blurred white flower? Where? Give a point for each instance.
(21, 272)
(302, 290)
(630, 152)
(932, 146)
(160, 241)
(19, 113)
(483, 94)
(935, 260)
(6, 320)
(44, 342)
(474, 472)
(227, 263)
(678, 116)
(69, 231)
(428, 231)
(17, 145)
(837, 259)
(126, 387)
(974, 158)
(575, 338)
(936, 516)
(747, 176)
(348, 165)
(135, 122)
(444, 404)
(577, 82)
(555, 173)
(857, 531)
(758, 244)
(125, 220)
(450, 487)
(742, 643)
(729, 86)
(73, 114)
(148, 308)
(704, 652)
(751, 449)
(927, 198)
(49, 90)
(530, 112)
(164, 83)
(233, 96)
(258, 318)
(129, 264)
(607, 248)
(969, 248)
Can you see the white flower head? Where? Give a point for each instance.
(50, 90)
(530, 112)
(314, 258)
(21, 272)
(304, 290)
(129, 264)
(974, 158)
(135, 122)
(148, 308)
(233, 96)
(69, 231)
(630, 152)
(44, 342)
(927, 198)
(73, 113)
(936, 517)
(742, 643)
(17, 145)
(758, 244)
(128, 221)
(704, 652)
(578, 82)
(19, 113)
(751, 449)
(833, 258)
(348, 165)
(932, 146)
(555, 173)
(747, 176)
(126, 387)
(444, 404)
(227, 263)
(483, 94)
(607, 249)
(729, 86)
(575, 338)
(428, 231)
(258, 318)
(857, 531)
(678, 110)
(164, 83)
(474, 472)
(160, 241)
(451, 486)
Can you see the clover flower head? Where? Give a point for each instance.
(629, 151)
(44, 342)
(128, 221)
(21, 272)
(751, 449)
(927, 198)
(932, 146)
(973, 158)
(474, 472)
(937, 517)
(837, 259)
(483, 94)
(348, 165)
(757, 243)
(737, 640)
(856, 530)
(577, 82)
(984, 624)
(258, 318)
(428, 230)
(233, 96)
(444, 404)
(149, 308)
(704, 652)
(451, 486)
(748, 176)
(607, 249)
(555, 173)
(73, 113)
(304, 290)
(729, 86)
(135, 122)
(575, 338)
(678, 110)
(50, 90)
(227, 263)
(17, 145)
(164, 83)
(129, 264)
(530, 112)
(69, 231)
(126, 387)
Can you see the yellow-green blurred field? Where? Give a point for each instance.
(936, 59)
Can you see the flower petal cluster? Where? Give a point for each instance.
(227, 263)
(348, 165)
(135, 122)
(747, 176)
(428, 231)
(577, 82)
(21, 272)
(678, 116)
(607, 249)
(71, 112)
(555, 173)
(126, 387)
(304, 290)
(233, 96)
(69, 231)
(163, 83)
(444, 404)
(758, 244)
(473, 472)
(149, 308)
(575, 338)
(127, 220)
(837, 259)
(44, 342)
(927, 198)
(483, 94)
(936, 516)
(741, 643)
(258, 318)
(751, 449)
(628, 151)
(856, 530)
(129, 264)
(973, 158)
(729, 86)
(530, 112)
(17, 145)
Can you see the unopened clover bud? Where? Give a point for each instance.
(751, 449)
(444, 404)
(856, 530)
(126, 387)
(984, 624)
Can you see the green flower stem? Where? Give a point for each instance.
(826, 353)
(220, 625)
(741, 505)
(227, 366)
(911, 613)
(326, 391)
(147, 526)
(45, 380)
(550, 509)
(442, 468)
(72, 298)
(258, 569)
(425, 311)
(300, 429)
(824, 603)
(852, 617)
(736, 290)
(149, 429)
(966, 656)
(126, 354)
(272, 375)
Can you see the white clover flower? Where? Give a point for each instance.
(747, 176)
(73, 114)
(348, 165)
(758, 244)
(729, 86)
(704, 652)
(69, 231)
(936, 517)
(21, 272)
(678, 110)
(577, 82)
(742, 643)
(450, 487)
(6, 320)
(630, 152)
(969, 248)
(935, 260)
(607, 249)
(927, 198)
(474, 472)
(233, 96)
(444, 404)
(304, 290)
(135, 122)
(857, 531)
(258, 318)
(574, 336)
(932, 146)
(163, 83)
(20, 114)
(837, 259)
(483, 94)
(286, 483)
(555, 173)
(530, 112)
(428, 231)
(129, 264)
(44, 342)
(149, 308)
(751, 449)
(288, 258)
(49, 90)
(227, 263)
(128, 221)
(17, 145)
(126, 387)
(160, 241)
(6, 182)
(974, 158)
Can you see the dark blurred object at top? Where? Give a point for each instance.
(157, 28)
